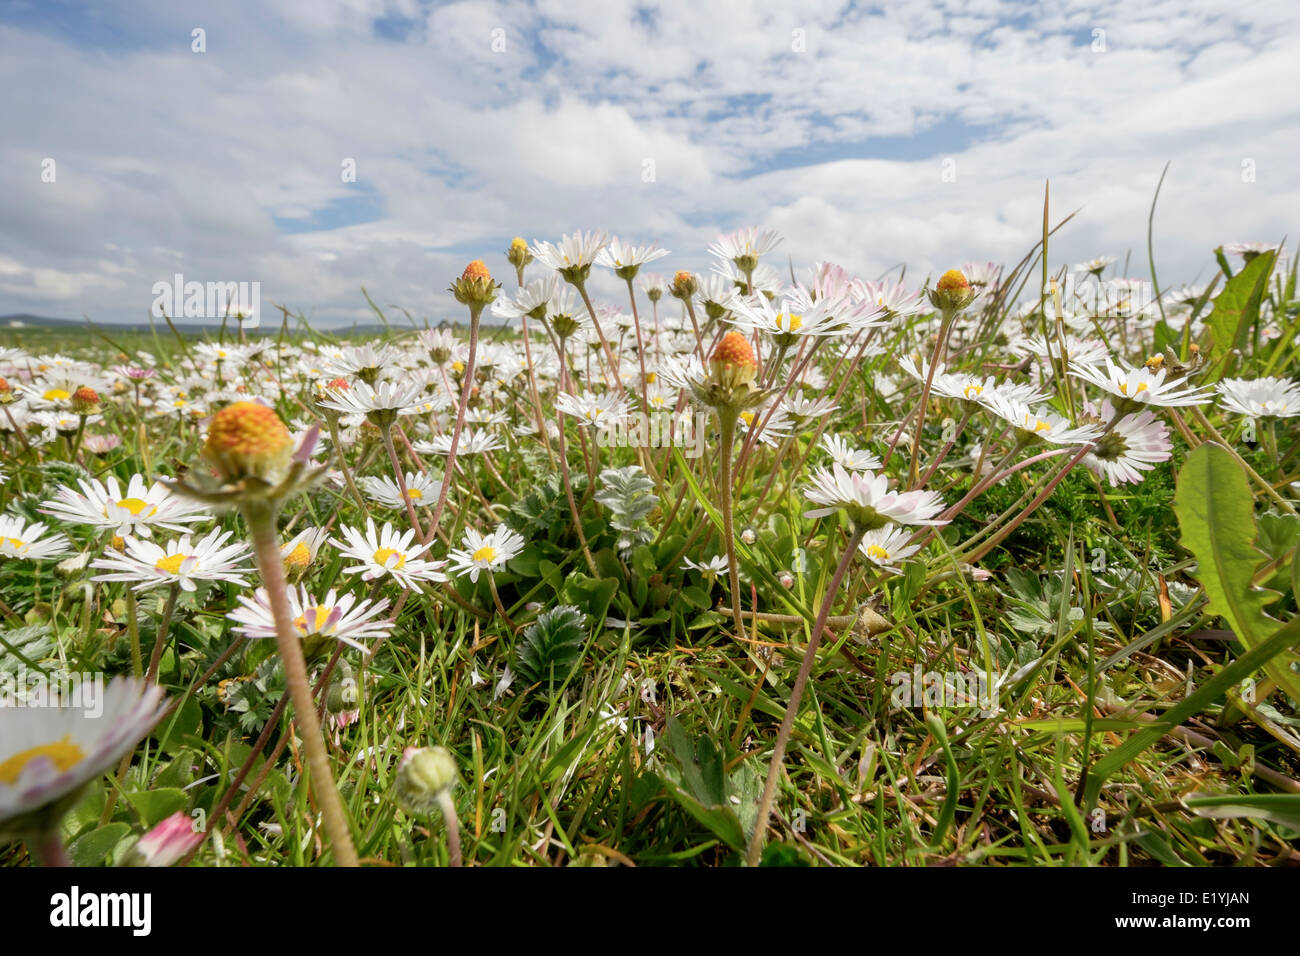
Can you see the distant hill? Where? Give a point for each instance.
(21, 320)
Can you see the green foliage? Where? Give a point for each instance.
(551, 647)
(1217, 515)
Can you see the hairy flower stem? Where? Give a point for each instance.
(48, 848)
(532, 385)
(727, 427)
(796, 695)
(164, 625)
(604, 342)
(945, 326)
(467, 389)
(332, 423)
(260, 518)
(448, 808)
(401, 483)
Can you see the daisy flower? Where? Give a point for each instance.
(141, 508)
(887, 548)
(473, 441)
(851, 458)
(573, 256)
(868, 500)
(485, 553)
(29, 542)
(744, 247)
(47, 754)
(1141, 384)
(421, 490)
(893, 298)
(1136, 444)
(385, 399)
(300, 551)
(1095, 266)
(970, 388)
(1249, 250)
(625, 259)
(184, 561)
(711, 566)
(592, 409)
(532, 300)
(1042, 423)
(341, 618)
(794, 318)
(387, 552)
(1261, 397)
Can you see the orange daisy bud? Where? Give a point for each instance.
(247, 440)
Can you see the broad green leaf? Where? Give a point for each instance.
(698, 781)
(1216, 513)
(156, 805)
(92, 848)
(1281, 808)
(1236, 310)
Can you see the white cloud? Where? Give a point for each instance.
(169, 159)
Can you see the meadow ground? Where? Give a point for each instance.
(735, 568)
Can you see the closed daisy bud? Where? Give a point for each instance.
(952, 292)
(733, 361)
(684, 285)
(85, 401)
(518, 255)
(423, 776)
(248, 440)
(475, 287)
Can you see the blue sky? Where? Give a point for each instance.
(869, 135)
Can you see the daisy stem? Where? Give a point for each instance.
(133, 630)
(260, 518)
(796, 694)
(475, 310)
(48, 848)
(331, 421)
(164, 625)
(448, 808)
(492, 584)
(532, 386)
(727, 427)
(401, 484)
(604, 343)
(945, 325)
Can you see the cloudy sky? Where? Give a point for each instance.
(917, 132)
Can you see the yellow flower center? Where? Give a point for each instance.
(16, 543)
(414, 494)
(1123, 388)
(384, 555)
(56, 395)
(299, 557)
(1041, 426)
(877, 553)
(319, 616)
(64, 754)
(487, 554)
(791, 323)
(971, 390)
(458, 365)
(136, 507)
(172, 563)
